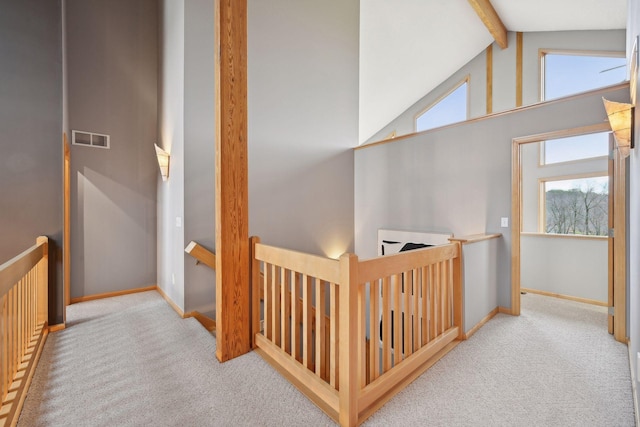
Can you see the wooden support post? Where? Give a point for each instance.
(232, 217)
(489, 54)
(519, 57)
(458, 293)
(66, 230)
(43, 282)
(348, 355)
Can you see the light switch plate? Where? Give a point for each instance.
(504, 222)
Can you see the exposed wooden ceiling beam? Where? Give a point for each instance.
(491, 20)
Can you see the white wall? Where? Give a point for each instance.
(568, 265)
(504, 74)
(171, 123)
(633, 30)
(199, 151)
(303, 122)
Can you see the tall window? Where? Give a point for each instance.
(567, 73)
(452, 108)
(577, 206)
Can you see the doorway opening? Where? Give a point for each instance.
(568, 228)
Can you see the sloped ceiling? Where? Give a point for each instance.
(409, 47)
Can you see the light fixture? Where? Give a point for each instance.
(620, 117)
(163, 162)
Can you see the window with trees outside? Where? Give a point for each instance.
(566, 73)
(577, 206)
(451, 108)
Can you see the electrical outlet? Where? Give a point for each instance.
(178, 221)
(504, 222)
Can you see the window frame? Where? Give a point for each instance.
(543, 52)
(542, 147)
(542, 200)
(467, 80)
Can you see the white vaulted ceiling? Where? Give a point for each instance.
(409, 47)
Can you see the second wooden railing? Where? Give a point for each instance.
(348, 333)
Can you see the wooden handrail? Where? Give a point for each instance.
(201, 254)
(475, 238)
(14, 269)
(24, 285)
(322, 317)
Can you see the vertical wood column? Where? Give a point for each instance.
(489, 54)
(232, 216)
(66, 231)
(519, 54)
(348, 337)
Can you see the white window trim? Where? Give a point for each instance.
(92, 134)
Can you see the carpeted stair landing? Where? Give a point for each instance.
(131, 361)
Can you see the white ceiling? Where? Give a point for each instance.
(409, 47)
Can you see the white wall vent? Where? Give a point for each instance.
(89, 139)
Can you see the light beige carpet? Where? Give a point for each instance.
(132, 361)
(554, 365)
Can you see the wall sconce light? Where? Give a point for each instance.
(620, 117)
(163, 162)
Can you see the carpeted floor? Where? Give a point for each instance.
(554, 365)
(131, 361)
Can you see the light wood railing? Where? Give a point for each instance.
(23, 325)
(350, 334)
(201, 254)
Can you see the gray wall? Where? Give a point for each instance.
(456, 178)
(112, 50)
(170, 207)
(187, 129)
(31, 137)
(303, 121)
(199, 151)
(633, 30)
(480, 263)
(504, 74)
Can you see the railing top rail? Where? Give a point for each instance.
(201, 254)
(474, 238)
(14, 269)
(312, 265)
(384, 266)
